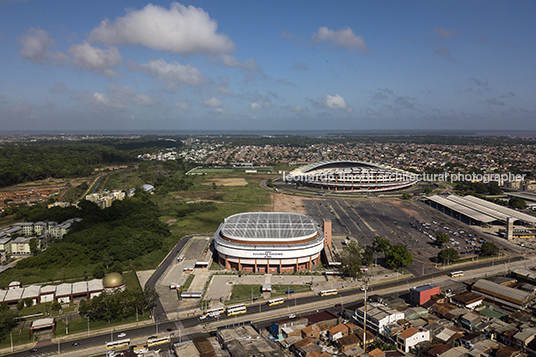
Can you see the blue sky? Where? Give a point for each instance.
(275, 65)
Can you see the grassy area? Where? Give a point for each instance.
(244, 292)
(184, 287)
(123, 180)
(217, 171)
(81, 325)
(280, 290)
(131, 281)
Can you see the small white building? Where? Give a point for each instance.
(410, 338)
(48, 293)
(32, 292)
(378, 316)
(64, 293)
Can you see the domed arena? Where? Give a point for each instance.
(351, 176)
(268, 242)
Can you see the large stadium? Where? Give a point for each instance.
(351, 176)
(268, 242)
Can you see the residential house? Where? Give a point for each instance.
(341, 330)
(468, 300)
(524, 337)
(410, 338)
(470, 320)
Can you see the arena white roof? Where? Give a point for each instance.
(268, 225)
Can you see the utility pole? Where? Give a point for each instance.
(365, 320)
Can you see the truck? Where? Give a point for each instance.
(180, 258)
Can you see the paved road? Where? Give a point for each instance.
(159, 312)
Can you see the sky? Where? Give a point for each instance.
(79, 65)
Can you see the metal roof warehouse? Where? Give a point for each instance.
(473, 210)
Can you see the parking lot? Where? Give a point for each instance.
(409, 223)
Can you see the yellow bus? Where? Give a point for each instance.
(276, 301)
(118, 344)
(455, 274)
(236, 310)
(328, 292)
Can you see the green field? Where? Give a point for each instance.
(217, 171)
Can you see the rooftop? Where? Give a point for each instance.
(269, 225)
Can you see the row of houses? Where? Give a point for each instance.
(63, 293)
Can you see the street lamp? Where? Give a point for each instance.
(87, 326)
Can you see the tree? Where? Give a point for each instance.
(406, 196)
(442, 239)
(28, 302)
(55, 306)
(519, 203)
(34, 245)
(368, 256)
(99, 272)
(351, 259)
(489, 249)
(448, 255)
(8, 320)
(398, 256)
(20, 305)
(380, 244)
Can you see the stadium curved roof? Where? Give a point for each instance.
(334, 164)
(269, 225)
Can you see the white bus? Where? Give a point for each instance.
(118, 344)
(158, 341)
(455, 274)
(276, 301)
(214, 312)
(328, 292)
(236, 310)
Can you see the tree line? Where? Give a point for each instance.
(31, 161)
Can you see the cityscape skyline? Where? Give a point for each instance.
(210, 65)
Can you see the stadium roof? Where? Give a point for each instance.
(481, 210)
(269, 225)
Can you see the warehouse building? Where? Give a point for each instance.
(503, 295)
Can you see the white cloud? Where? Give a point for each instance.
(183, 105)
(212, 102)
(101, 100)
(335, 102)
(443, 51)
(119, 97)
(187, 30)
(442, 33)
(295, 108)
(341, 38)
(172, 73)
(231, 62)
(96, 59)
(36, 45)
(255, 106)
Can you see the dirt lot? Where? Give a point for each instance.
(239, 181)
(286, 203)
